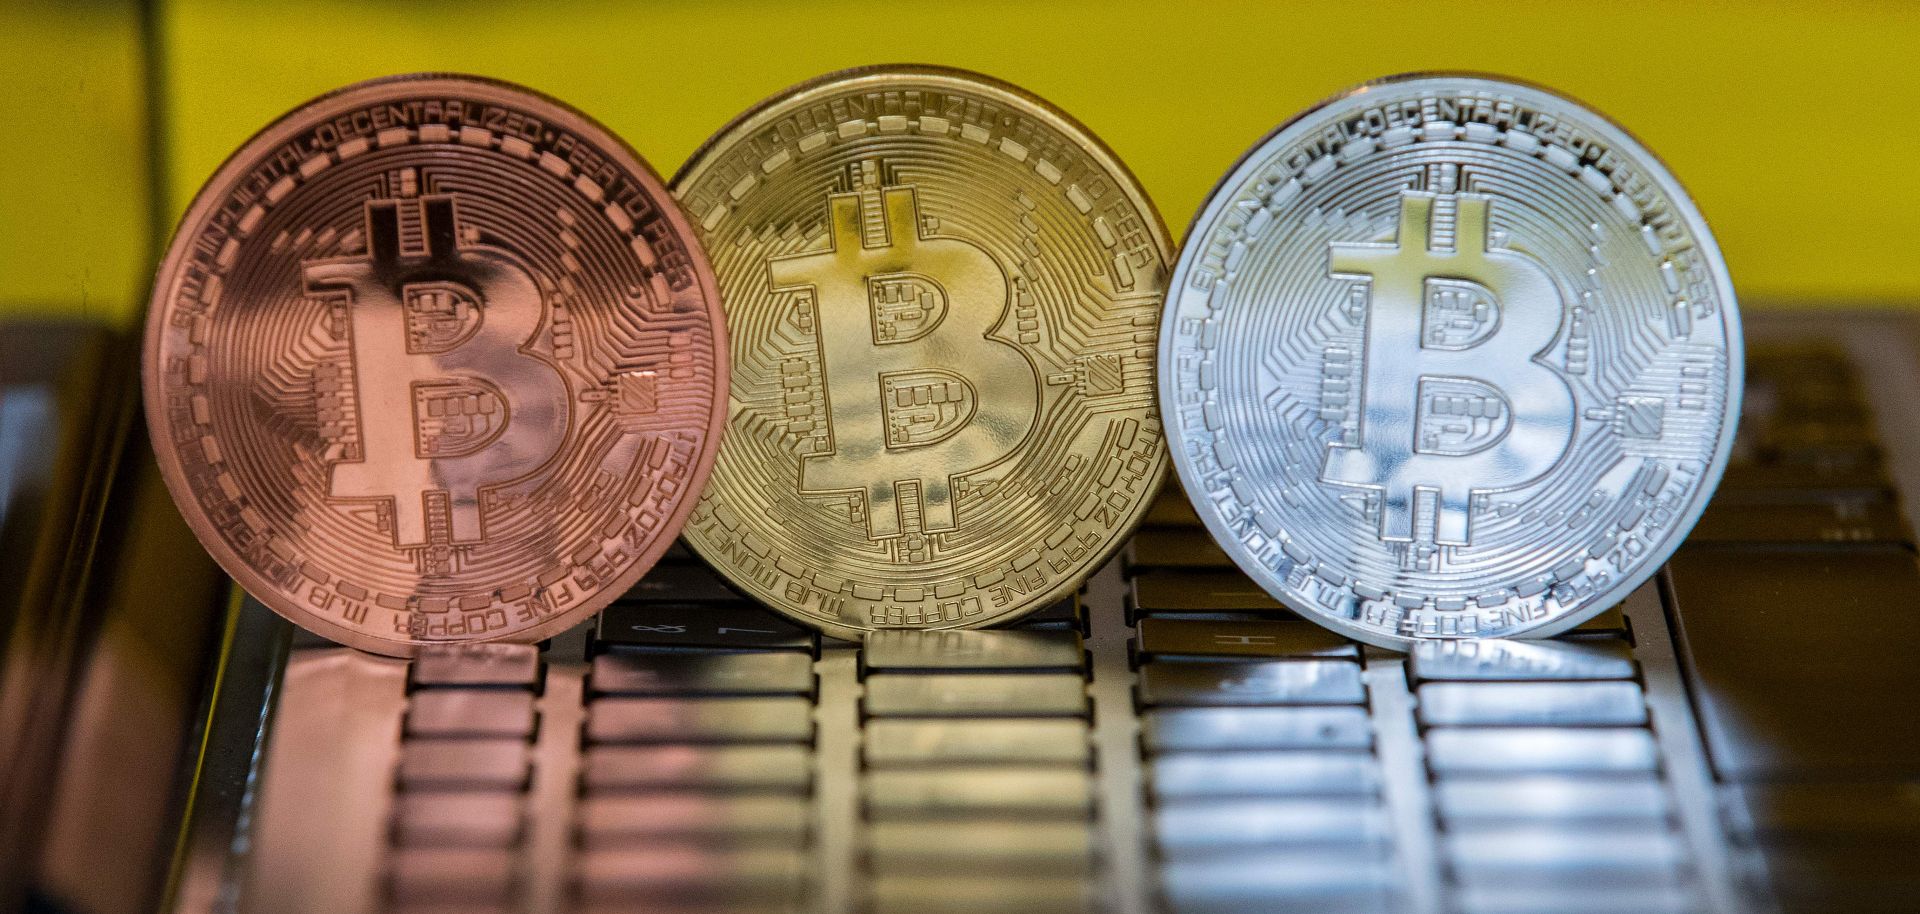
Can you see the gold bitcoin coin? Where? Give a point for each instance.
(943, 295)
(435, 359)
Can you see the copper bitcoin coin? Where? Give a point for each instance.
(944, 294)
(435, 358)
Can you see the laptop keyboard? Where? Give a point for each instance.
(1792, 610)
(1738, 738)
(465, 764)
(1269, 751)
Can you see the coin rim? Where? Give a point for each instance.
(1221, 196)
(215, 190)
(696, 164)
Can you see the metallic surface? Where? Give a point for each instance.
(943, 293)
(1421, 833)
(109, 617)
(434, 358)
(1450, 357)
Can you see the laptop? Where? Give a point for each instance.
(1738, 736)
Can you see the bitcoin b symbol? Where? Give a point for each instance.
(1453, 402)
(449, 402)
(919, 390)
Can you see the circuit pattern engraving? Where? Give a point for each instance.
(435, 358)
(1450, 357)
(944, 296)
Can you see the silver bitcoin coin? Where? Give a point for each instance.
(1450, 356)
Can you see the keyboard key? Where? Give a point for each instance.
(1193, 775)
(626, 903)
(1802, 660)
(1171, 509)
(947, 893)
(726, 877)
(1332, 901)
(501, 764)
(1793, 380)
(645, 626)
(485, 664)
(1497, 895)
(1557, 704)
(1833, 520)
(1264, 638)
(933, 742)
(1808, 443)
(1187, 826)
(1775, 483)
(682, 583)
(471, 712)
(1885, 811)
(1493, 660)
(773, 767)
(1179, 549)
(1060, 792)
(1346, 880)
(1570, 885)
(1802, 388)
(897, 650)
(642, 819)
(1503, 799)
(1545, 750)
(703, 673)
(1789, 365)
(999, 846)
(964, 694)
(1277, 682)
(1065, 614)
(1637, 847)
(458, 818)
(1609, 623)
(477, 875)
(1201, 592)
(503, 905)
(1849, 430)
(1882, 877)
(1215, 729)
(699, 720)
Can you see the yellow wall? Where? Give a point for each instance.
(74, 216)
(1791, 123)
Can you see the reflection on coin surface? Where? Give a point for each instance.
(1450, 357)
(435, 359)
(943, 295)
